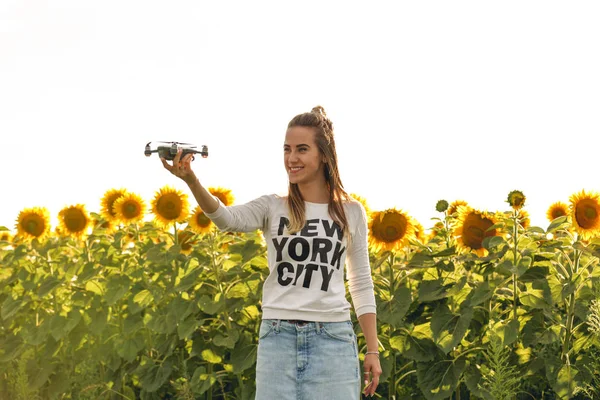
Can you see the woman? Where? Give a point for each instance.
(307, 347)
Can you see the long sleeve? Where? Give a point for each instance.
(246, 217)
(359, 269)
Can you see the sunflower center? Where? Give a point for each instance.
(75, 221)
(203, 220)
(34, 226)
(131, 210)
(586, 213)
(169, 206)
(475, 230)
(558, 212)
(391, 228)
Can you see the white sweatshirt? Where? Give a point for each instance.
(306, 279)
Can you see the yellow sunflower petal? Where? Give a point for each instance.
(6, 236)
(186, 241)
(129, 208)
(472, 228)
(453, 208)
(419, 231)
(390, 229)
(585, 213)
(74, 220)
(222, 194)
(199, 222)
(170, 205)
(558, 209)
(107, 203)
(523, 217)
(33, 223)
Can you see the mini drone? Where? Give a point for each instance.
(169, 152)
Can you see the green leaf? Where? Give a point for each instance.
(437, 379)
(48, 285)
(481, 293)
(533, 298)
(59, 384)
(143, 298)
(511, 332)
(449, 329)
(243, 356)
(11, 306)
(98, 320)
(392, 311)
(211, 357)
(95, 286)
(116, 288)
(419, 345)
(565, 383)
(534, 273)
(490, 242)
(201, 381)
(227, 341)
(129, 348)
(238, 291)
(433, 290)
(186, 328)
(211, 305)
(557, 223)
(450, 251)
(156, 376)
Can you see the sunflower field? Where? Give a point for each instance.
(140, 301)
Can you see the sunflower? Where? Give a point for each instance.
(418, 230)
(74, 220)
(558, 209)
(516, 199)
(170, 205)
(389, 229)
(5, 236)
(101, 223)
(585, 213)
(362, 201)
(453, 208)
(222, 194)
(199, 222)
(436, 230)
(185, 240)
(33, 223)
(129, 208)
(441, 206)
(523, 218)
(472, 229)
(107, 203)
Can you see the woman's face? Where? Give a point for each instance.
(301, 156)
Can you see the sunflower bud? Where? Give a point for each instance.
(516, 199)
(441, 206)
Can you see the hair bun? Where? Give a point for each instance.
(319, 110)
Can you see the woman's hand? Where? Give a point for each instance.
(372, 371)
(181, 168)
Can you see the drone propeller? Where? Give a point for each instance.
(184, 144)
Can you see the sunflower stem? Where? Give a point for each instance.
(515, 258)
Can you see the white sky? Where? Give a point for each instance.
(429, 99)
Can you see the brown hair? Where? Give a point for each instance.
(323, 127)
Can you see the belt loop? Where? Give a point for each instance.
(278, 325)
(318, 325)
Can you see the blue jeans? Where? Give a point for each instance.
(302, 361)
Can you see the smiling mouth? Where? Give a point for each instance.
(295, 169)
